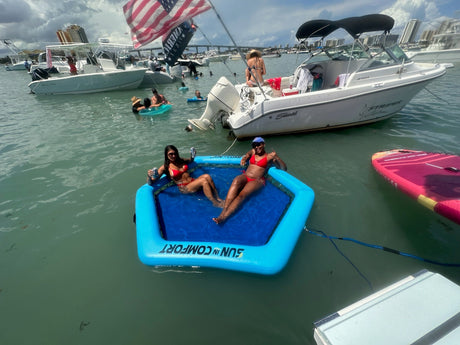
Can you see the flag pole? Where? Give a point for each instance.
(237, 48)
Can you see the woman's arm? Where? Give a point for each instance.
(279, 163)
(245, 158)
(152, 177)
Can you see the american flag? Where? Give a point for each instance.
(150, 19)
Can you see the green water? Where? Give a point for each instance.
(70, 168)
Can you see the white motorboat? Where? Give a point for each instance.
(19, 60)
(335, 87)
(94, 73)
(445, 48)
(215, 56)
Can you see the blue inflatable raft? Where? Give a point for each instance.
(155, 110)
(175, 229)
(194, 99)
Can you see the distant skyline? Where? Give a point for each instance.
(32, 24)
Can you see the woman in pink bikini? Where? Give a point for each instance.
(176, 168)
(252, 179)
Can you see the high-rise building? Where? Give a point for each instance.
(72, 34)
(410, 31)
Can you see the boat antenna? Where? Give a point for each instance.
(237, 48)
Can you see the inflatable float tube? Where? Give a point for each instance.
(194, 99)
(175, 229)
(433, 179)
(183, 88)
(155, 110)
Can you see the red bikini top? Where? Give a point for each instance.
(263, 162)
(177, 174)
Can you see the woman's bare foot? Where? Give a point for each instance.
(218, 220)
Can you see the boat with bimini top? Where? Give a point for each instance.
(334, 87)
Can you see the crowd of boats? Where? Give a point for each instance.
(338, 86)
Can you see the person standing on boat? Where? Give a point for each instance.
(256, 68)
(252, 179)
(176, 168)
(158, 99)
(71, 61)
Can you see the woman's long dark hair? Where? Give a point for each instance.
(179, 160)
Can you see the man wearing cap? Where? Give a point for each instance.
(252, 179)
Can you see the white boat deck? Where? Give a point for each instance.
(421, 309)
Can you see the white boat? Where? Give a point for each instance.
(335, 87)
(19, 60)
(214, 56)
(423, 308)
(94, 73)
(445, 48)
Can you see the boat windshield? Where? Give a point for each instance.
(340, 53)
(392, 55)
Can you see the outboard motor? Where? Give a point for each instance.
(40, 74)
(223, 97)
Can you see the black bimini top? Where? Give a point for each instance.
(355, 26)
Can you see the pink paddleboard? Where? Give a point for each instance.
(433, 179)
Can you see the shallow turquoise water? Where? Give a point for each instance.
(70, 168)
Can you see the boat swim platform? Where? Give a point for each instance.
(421, 309)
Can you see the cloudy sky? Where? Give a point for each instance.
(32, 24)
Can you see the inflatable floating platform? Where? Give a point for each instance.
(433, 179)
(194, 99)
(175, 229)
(156, 110)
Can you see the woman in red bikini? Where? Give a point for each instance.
(176, 168)
(252, 179)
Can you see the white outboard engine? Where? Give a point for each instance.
(223, 97)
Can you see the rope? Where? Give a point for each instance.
(386, 249)
(436, 96)
(234, 141)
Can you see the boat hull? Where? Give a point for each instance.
(89, 83)
(436, 56)
(332, 108)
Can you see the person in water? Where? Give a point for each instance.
(158, 99)
(198, 94)
(136, 104)
(256, 68)
(176, 168)
(252, 179)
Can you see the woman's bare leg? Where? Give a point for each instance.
(235, 199)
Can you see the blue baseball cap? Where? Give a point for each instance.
(258, 140)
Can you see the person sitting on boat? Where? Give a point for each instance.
(136, 104)
(158, 99)
(176, 168)
(256, 68)
(252, 179)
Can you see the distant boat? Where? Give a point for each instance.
(334, 87)
(94, 74)
(214, 56)
(19, 60)
(444, 48)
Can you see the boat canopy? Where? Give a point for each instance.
(355, 26)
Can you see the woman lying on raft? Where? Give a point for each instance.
(176, 169)
(252, 179)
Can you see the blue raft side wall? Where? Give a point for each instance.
(153, 250)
